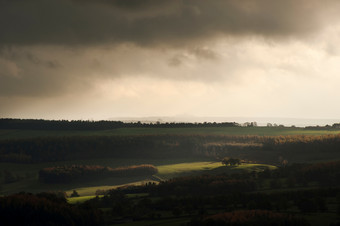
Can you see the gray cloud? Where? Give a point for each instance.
(46, 71)
(197, 53)
(175, 61)
(145, 22)
(37, 72)
(204, 53)
(57, 49)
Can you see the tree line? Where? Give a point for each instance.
(257, 148)
(76, 173)
(40, 124)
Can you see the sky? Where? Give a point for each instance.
(102, 59)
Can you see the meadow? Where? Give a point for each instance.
(27, 174)
(235, 131)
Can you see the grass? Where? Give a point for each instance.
(81, 199)
(88, 191)
(261, 131)
(28, 175)
(256, 167)
(166, 170)
(180, 169)
(185, 169)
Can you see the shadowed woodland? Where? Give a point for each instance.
(301, 188)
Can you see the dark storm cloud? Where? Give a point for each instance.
(54, 47)
(145, 22)
(34, 72)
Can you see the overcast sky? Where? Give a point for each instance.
(99, 59)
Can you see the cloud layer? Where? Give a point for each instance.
(105, 58)
(145, 22)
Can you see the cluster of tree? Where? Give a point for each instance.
(40, 124)
(258, 148)
(250, 218)
(250, 124)
(275, 125)
(74, 194)
(335, 126)
(87, 147)
(231, 161)
(67, 174)
(45, 209)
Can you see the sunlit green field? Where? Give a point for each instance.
(28, 174)
(81, 199)
(261, 131)
(183, 169)
(166, 169)
(91, 190)
(172, 170)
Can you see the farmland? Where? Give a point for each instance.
(239, 131)
(296, 163)
(27, 174)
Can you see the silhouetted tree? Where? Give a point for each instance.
(231, 161)
(74, 194)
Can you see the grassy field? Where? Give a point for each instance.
(165, 171)
(261, 131)
(91, 190)
(168, 171)
(81, 199)
(181, 169)
(28, 174)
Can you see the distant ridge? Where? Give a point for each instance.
(261, 121)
